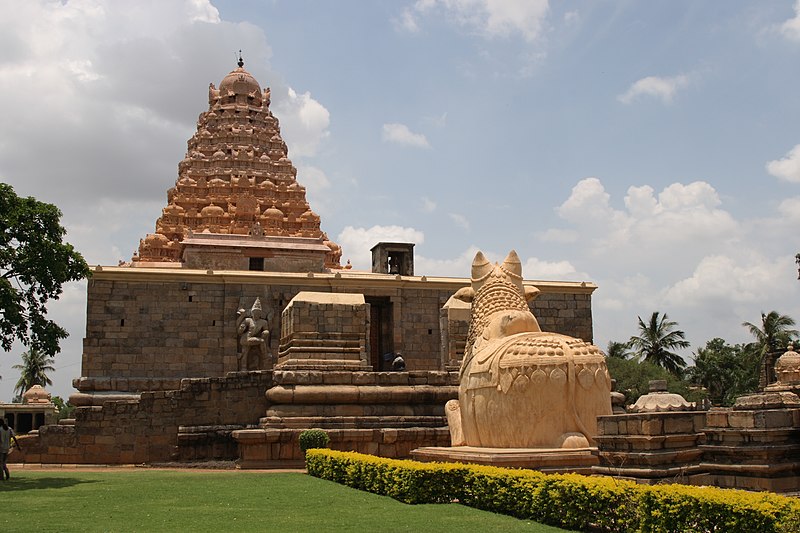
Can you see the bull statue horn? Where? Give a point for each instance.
(480, 266)
(513, 264)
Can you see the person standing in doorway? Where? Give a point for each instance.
(6, 435)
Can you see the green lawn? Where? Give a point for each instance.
(195, 501)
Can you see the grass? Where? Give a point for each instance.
(165, 500)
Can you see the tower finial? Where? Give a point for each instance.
(241, 61)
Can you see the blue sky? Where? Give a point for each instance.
(651, 147)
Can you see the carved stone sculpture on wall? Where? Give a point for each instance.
(253, 331)
(521, 387)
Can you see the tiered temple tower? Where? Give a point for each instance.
(236, 204)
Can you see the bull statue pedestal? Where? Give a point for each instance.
(526, 398)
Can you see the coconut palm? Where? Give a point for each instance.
(773, 336)
(656, 340)
(33, 370)
(619, 350)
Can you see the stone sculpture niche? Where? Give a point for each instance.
(253, 331)
(521, 387)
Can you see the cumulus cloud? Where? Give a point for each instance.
(457, 267)
(305, 123)
(356, 243)
(679, 215)
(660, 88)
(400, 134)
(535, 268)
(488, 18)
(788, 167)
(791, 28)
(720, 278)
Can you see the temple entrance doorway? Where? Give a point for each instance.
(380, 332)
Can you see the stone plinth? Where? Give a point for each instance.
(270, 448)
(650, 447)
(358, 400)
(549, 460)
(321, 330)
(755, 445)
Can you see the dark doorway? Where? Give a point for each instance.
(38, 420)
(380, 332)
(257, 264)
(24, 422)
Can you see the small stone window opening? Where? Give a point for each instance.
(257, 264)
(122, 322)
(190, 298)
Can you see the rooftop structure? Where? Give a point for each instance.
(236, 203)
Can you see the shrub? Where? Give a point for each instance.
(313, 438)
(564, 500)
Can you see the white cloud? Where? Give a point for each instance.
(428, 205)
(400, 134)
(535, 268)
(661, 88)
(459, 220)
(719, 279)
(304, 123)
(787, 168)
(681, 214)
(457, 267)
(488, 18)
(356, 243)
(791, 28)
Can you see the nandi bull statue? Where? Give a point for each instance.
(522, 387)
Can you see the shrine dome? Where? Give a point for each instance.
(273, 212)
(239, 81)
(212, 211)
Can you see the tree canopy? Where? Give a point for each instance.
(655, 341)
(33, 370)
(34, 264)
(725, 371)
(772, 337)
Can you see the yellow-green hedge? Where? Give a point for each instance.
(565, 500)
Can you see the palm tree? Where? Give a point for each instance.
(773, 335)
(33, 370)
(656, 340)
(619, 350)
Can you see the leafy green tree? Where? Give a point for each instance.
(63, 409)
(619, 350)
(633, 379)
(656, 340)
(726, 371)
(33, 370)
(774, 334)
(34, 264)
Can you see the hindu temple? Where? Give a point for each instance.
(234, 326)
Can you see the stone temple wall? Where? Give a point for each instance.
(148, 328)
(148, 430)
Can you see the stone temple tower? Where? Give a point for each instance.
(236, 204)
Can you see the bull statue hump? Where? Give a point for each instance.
(521, 387)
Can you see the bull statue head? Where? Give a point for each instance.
(499, 301)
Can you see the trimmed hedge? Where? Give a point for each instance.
(569, 501)
(313, 438)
